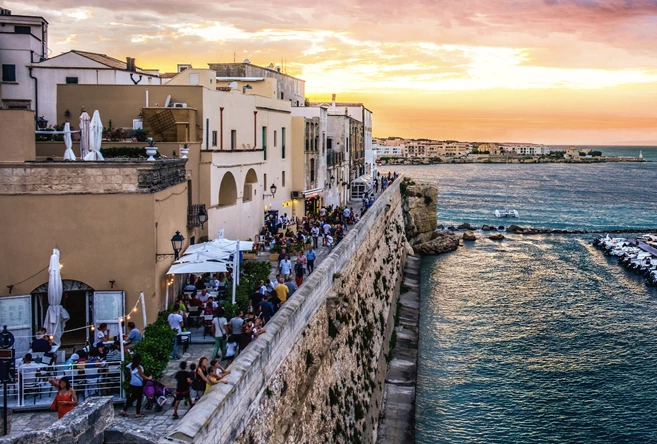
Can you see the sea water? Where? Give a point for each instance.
(538, 339)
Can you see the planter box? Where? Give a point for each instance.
(273, 256)
(249, 256)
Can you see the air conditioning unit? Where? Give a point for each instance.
(179, 105)
(297, 194)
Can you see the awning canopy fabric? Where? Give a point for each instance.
(363, 179)
(220, 245)
(198, 267)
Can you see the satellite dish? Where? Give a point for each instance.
(167, 102)
(246, 61)
(232, 85)
(271, 66)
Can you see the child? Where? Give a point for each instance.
(182, 388)
(217, 372)
(192, 375)
(231, 350)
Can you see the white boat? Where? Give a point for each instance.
(506, 212)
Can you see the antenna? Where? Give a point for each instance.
(233, 56)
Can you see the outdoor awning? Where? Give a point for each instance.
(219, 245)
(196, 267)
(366, 179)
(309, 194)
(202, 256)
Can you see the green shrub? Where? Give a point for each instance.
(251, 275)
(156, 346)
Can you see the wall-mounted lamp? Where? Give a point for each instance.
(42, 123)
(67, 114)
(272, 189)
(10, 287)
(112, 282)
(202, 216)
(177, 244)
(245, 87)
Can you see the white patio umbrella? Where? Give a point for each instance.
(220, 245)
(204, 257)
(95, 138)
(198, 267)
(68, 154)
(85, 121)
(56, 316)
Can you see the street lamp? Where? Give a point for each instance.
(272, 188)
(177, 244)
(202, 216)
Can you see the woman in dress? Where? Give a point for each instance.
(66, 399)
(137, 378)
(202, 380)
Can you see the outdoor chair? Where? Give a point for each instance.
(207, 325)
(194, 314)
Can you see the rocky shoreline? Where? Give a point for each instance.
(530, 230)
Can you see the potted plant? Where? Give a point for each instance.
(275, 251)
(184, 150)
(151, 149)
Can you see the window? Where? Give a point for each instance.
(22, 30)
(323, 142)
(275, 137)
(312, 170)
(233, 140)
(264, 184)
(71, 80)
(214, 138)
(283, 146)
(283, 179)
(329, 143)
(8, 73)
(264, 141)
(282, 95)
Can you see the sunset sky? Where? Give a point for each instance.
(545, 71)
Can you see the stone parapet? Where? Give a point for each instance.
(85, 424)
(316, 375)
(113, 176)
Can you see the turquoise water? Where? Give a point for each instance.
(565, 196)
(538, 339)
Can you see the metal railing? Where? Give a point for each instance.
(32, 386)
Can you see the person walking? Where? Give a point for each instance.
(235, 326)
(286, 266)
(310, 257)
(314, 233)
(183, 381)
(137, 378)
(298, 272)
(175, 320)
(219, 332)
(65, 399)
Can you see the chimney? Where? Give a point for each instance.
(128, 60)
(333, 99)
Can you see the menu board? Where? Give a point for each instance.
(16, 311)
(108, 307)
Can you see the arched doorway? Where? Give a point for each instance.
(250, 185)
(228, 190)
(76, 299)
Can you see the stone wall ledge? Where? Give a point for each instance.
(225, 410)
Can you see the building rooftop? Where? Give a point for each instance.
(103, 59)
(236, 64)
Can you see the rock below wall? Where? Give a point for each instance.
(443, 243)
(420, 211)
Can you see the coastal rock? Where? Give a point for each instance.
(465, 226)
(444, 243)
(496, 236)
(514, 229)
(420, 213)
(469, 236)
(487, 228)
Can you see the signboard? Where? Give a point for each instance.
(16, 314)
(108, 307)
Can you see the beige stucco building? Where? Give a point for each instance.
(112, 222)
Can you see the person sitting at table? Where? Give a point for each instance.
(100, 352)
(212, 301)
(102, 333)
(215, 282)
(134, 336)
(203, 297)
(195, 302)
(114, 354)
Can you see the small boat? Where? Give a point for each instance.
(506, 212)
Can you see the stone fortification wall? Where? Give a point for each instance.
(316, 375)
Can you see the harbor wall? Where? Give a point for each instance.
(317, 375)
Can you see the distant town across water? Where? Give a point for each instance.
(396, 151)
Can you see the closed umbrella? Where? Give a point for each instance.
(56, 316)
(68, 154)
(85, 121)
(95, 138)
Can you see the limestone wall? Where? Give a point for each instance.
(316, 375)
